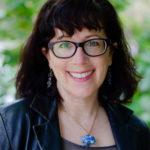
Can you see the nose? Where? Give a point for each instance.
(80, 57)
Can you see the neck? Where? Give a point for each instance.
(80, 108)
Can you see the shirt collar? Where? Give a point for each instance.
(45, 106)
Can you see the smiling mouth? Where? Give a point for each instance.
(81, 75)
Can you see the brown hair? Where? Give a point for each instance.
(69, 15)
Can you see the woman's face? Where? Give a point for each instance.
(79, 76)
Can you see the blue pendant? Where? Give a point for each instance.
(87, 140)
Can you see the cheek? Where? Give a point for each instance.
(103, 61)
(102, 65)
(59, 71)
(51, 61)
(58, 66)
(109, 57)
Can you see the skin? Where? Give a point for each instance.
(79, 63)
(80, 95)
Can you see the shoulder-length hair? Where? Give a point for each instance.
(68, 16)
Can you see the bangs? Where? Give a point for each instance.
(74, 15)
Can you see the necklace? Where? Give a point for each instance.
(87, 139)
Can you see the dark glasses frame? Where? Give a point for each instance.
(106, 41)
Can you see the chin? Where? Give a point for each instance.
(81, 94)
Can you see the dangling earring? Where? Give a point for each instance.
(49, 81)
(109, 76)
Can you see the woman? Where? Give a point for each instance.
(75, 73)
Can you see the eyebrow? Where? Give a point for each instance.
(62, 36)
(88, 36)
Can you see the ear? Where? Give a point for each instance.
(110, 59)
(111, 52)
(110, 55)
(46, 54)
(115, 44)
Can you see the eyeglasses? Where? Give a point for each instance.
(66, 49)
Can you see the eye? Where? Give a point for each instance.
(93, 43)
(64, 45)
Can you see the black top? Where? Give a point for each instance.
(32, 124)
(67, 145)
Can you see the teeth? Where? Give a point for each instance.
(81, 75)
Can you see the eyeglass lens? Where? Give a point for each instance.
(91, 47)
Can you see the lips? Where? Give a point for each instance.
(81, 76)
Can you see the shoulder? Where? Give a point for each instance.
(137, 128)
(14, 113)
(124, 115)
(12, 117)
(17, 107)
(128, 126)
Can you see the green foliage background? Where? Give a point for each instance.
(16, 22)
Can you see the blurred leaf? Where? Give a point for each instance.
(16, 22)
(11, 57)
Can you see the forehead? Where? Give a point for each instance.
(84, 33)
